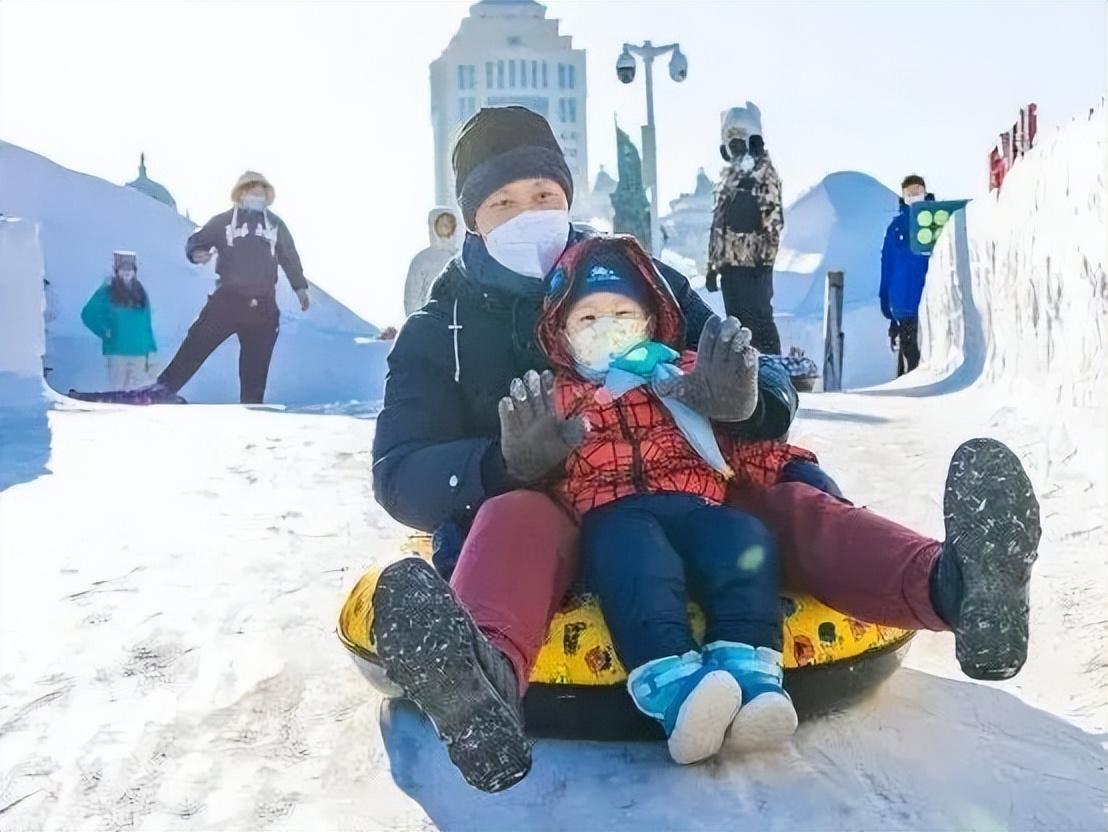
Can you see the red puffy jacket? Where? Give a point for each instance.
(633, 445)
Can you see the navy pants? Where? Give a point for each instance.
(254, 320)
(809, 473)
(645, 556)
(748, 296)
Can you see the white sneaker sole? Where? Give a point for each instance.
(704, 718)
(764, 722)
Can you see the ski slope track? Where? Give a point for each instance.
(323, 356)
(170, 578)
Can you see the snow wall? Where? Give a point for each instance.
(324, 356)
(21, 305)
(1021, 301)
(24, 399)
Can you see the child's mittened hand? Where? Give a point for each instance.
(534, 439)
(724, 384)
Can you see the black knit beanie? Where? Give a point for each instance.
(499, 145)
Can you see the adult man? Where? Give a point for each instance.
(251, 242)
(445, 461)
(903, 273)
(746, 227)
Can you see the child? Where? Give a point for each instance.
(118, 313)
(649, 479)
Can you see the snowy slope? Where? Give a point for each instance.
(178, 669)
(838, 225)
(324, 356)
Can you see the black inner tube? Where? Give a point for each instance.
(606, 713)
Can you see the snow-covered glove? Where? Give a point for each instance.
(724, 384)
(534, 439)
(200, 256)
(711, 280)
(894, 334)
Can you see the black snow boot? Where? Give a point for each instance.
(432, 649)
(992, 539)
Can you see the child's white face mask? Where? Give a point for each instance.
(597, 344)
(254, 203)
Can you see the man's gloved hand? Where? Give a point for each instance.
(724, 384)
(305, 301)
(711, 280)
(894, 334)
(534, 439)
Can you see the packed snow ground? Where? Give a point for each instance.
(170, 579)
(170, 659)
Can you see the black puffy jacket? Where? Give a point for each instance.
(436, 453)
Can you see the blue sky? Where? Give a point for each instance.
(331, 99)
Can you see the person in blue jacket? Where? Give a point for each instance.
(118, 313)
(903, 273)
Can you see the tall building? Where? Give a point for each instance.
(508, 53)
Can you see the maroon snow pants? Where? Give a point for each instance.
(520, 558)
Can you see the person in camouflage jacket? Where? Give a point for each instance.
(746, 227)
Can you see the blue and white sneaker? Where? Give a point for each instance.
(695, 704)
(767, 718)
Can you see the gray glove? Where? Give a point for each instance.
(724, 384)
(534, 439)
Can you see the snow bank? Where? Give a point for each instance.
(21, 303)
(24, 430)
(1021, 301)
(838, 225)
(326, 355)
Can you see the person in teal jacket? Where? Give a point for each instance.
(118, 313)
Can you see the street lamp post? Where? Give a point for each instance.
(678, 71)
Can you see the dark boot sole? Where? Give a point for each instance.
(425, 641)
(992, 527)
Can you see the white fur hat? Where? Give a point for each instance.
(248, 180)
(741, 122)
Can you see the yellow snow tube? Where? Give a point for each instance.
(578, 661)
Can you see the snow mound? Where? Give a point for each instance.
(326, 355)
(1021, 300)
(838, 225)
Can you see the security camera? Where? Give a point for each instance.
(678, 66)
(625, 67)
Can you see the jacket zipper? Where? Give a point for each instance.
(637, 477)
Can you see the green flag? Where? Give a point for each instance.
(926, 221)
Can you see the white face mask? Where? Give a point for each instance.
(254, 203)
(745, 164)
(530, 243)
(606, 339)
(913, 199)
